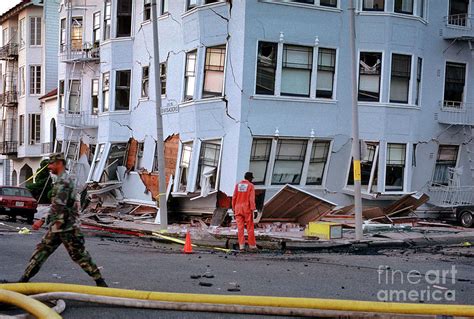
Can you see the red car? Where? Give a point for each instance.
(17, 201)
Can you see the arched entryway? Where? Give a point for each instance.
(14, 178)
(25, 173)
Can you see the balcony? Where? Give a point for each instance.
(451, 196)
(459, 27)
(81, 120)
(9, 51)
(9, 98)
(85, 54)
(8, 148)
(47, 148)
(456, 113)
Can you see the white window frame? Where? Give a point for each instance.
(406, 169)
(34, 40)
(223, 72)
(70, 85)
(458, 155)
(374, 169)
(98, 165)
(382, 74)
(22, 32)
(315, 67)
(187, 98)
(466, 77)
(34, 129)
(130, 88)
(22, 80)
(32, 79)
(410, 80)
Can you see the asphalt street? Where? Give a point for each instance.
(132, 263)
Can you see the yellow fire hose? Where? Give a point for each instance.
(259, 301)
(28, 304)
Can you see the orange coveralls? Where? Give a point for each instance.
(243, 203)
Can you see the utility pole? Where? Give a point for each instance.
(355, 125)
(161, 202)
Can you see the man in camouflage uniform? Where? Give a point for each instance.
(63, 227)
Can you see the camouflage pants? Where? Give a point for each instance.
(73, 240)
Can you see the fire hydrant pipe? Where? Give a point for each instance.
(261, 301)
(28, 304)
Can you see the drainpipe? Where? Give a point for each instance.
(355, 125)
(160, 154)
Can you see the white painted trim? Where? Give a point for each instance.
(293, 99)
(306, 6)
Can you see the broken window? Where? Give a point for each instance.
(74, 96)
(163, 67)
(289, 161)
(259, 158)
(105, 92)
(419, 69)
(35, 79)
(446, 160)
(454, 82)
(164, 7)
(190, 75)
(96, 165)
(76, 34)
(370, 66)
(35, 128)
(208, 166)
(395, 167)
(458, 12)
(107, 18)
(400, 78)
(35, 31)
(373, 5)
(96, 28)
(115, 159)
(326, 70)
(61, 96)
(124, 18)
(328, 3)
(214, 71)
(317, 162)
(184, 165)
(62, 36)
(95, 96)
(146, 10)
(404, 6)
(72, 151)
(145, 81)
(368, 168)
(122, 90)
(296, 71)
(266, 68)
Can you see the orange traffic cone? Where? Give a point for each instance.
(188, 248)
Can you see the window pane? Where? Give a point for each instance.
(289, 162)
(124, 18)
(214, 71)
(184, 164)
(295, 82)
(259, 158)
(328, 3)
(454, 84)
(446, 160)
(122, 90)
(373, 5)
(395, 167)
(404, 6)
(266, 68)
(190, 75)
(370, 66)
(319, 155)
(208, 162)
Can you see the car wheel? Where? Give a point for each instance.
(466, 218)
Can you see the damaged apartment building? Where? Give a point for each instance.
(29, 69)
(264, 86)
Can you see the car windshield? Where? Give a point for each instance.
(11, 191)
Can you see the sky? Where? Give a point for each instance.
(7, 4)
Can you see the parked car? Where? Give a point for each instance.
(17, 201)
(465, 215)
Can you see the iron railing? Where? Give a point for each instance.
(458, 26)
(456, 113)
(8, 148)
(9, 51)
(9, 98)
(451, 196)
(79, 120)
(84, 54)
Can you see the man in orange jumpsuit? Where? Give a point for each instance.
(243, 203)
